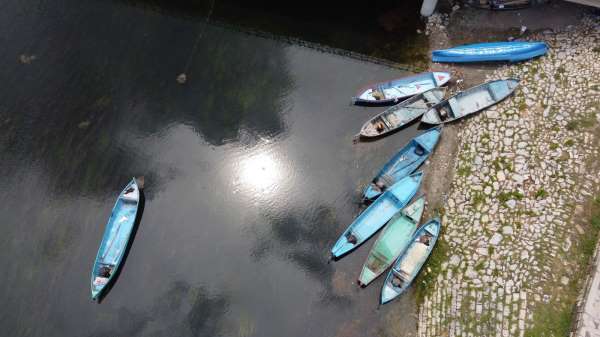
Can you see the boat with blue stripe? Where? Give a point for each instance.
(116, 238)
(403, 163)
(394, 91)
(409, 263)
(513, 51)
(377, 214)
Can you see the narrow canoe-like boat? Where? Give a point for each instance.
(392, 241)
(377, 214)
(491, 51)
(116, 237)
(392, 92)
(401, 114)
(403, 163)
(470, 101)
(410, 262)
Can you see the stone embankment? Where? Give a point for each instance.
(514, 216)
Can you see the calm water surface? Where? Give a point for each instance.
(250, 174)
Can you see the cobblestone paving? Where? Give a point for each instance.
(523, 168)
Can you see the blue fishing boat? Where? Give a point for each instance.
(401, 114)
(403, 163)
(116, 237)
(377, 214)
(470, 101)
(410, 262)
(491, 51)
(392, 92)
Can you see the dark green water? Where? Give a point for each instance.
(250, 174)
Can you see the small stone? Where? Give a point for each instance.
(496, 238)
(564, 280)
(507, 230)
(500, 176)
(511, 203)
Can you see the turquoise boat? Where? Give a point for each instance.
(401, 114)
(470, 101)
(392, 241)
(403, 163)
(394, 91)
(116, 237)
(405, 269)
(377, 214)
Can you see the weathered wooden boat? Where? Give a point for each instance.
(392, 241)
(403, 163)
(392, 92)
(410, 262)
(116, 237)
(377, 214)
(401, 114)
(513, 51)
(470, 101)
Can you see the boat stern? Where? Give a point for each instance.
(388, 293)
(430, 138)
(366, 277)
(441, 78)
(371, 193)
(430, 117)
(341, 248)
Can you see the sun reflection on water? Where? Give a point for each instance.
(260, 172)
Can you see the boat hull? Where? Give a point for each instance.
(395, 91)
(403, 163)
(491, 52)
(400, 115)
(377, 215)
(116, 237)
(470, 101)
(392, 241)
(409, 263)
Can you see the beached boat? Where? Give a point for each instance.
(116, 237)
(403, 163)
(491, 51)
(394, 91)
(470, 101)
(377, 214)
(410, 262)
(392, 241)
(401, 114)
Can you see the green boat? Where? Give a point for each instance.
(393, 240)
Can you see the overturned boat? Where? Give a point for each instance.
(405, 269)
(394, 91)
(377, 214)
(513, 51)
(470, 101)
(401, 114)
(403, 163)
(392, 241)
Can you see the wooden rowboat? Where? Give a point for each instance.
(394, 91)
(377, 215)
(392, 241)
(403, 163)
(410, 262)
(470, 101)
(399, 115)
(116, 237)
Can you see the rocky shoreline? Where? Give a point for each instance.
(516, 213)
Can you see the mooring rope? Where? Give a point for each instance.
(183, 76)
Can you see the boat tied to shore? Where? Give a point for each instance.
(394, 91)
(470, 101)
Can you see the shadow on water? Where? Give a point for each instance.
(185, 310)
(297, 236)
(136, 225)
(92, 125)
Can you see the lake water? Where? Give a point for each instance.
(250, 170)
